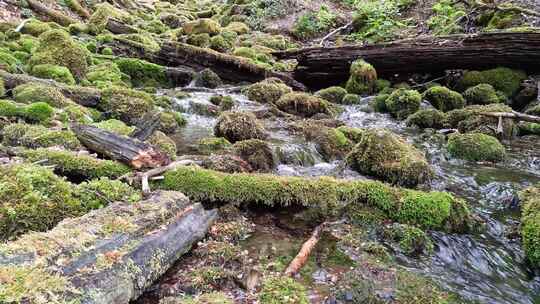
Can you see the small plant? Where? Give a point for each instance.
(446, 19)
(311, 24)
(283, 291)
(377, 21)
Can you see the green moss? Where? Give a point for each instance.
(225, 103)
(142, 40)
(9, 109)
(245, 52)
(168, 122)
(106, 74)
(469, 120)
(527, 128)
(77, 113)
(382, 84)
(383, 154)
(331, 143)
(282, 290)
(481, 94)
(332, 94)
(212, 144)
(143, 73)
(200, 40)
(267, 91)
(115, 126)
(362, 78)
(379, 103)
(33, 198)
(237, 126)
(38, 112)
(56, 47)
(302, 104)
(411, 240)
(238, 27)
(402, 103)
(37, 136)
(412, 288)
(220, 44)
(78, 28)
(502, 79)
(444, 99)
(257, 153)
(8, 62)
(98, 21)
(350, 99)
(428, 118)
(102, 191)
(20, 283)
(75, 166)
(530, 224)
(311, 24)
(54, 72)
(503, 20)
(208, 79)
(35, 27)
(202, 26)
(164, 143)
(476, 147)
(34, 92)
(125, 104)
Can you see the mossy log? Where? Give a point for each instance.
(132, 152)
(119, 27)
(84, 96)
(110, 255)
(54, 15)
(325, 66)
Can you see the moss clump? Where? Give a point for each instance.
(238, 27)
(78, 28)
(476, 147)
(267, 91)
(200, 40)
(35, 27)
(502, 79)
(38, 112)
(220, 44)
(331, 143)
(444, 99)
(115, 126)
(8, 62)
(225, 103)
(125, 104)
(75, 166)
(350, 99)
(9, 109)
(208, 79)
(33, 92)
(168, 122)
(33, 198)
(106, 74)
(143, 73)
(257, 153)
(141, 40)
(283, 290)
(37, 136)
(411, 240)
(2, 88)
(237, 126)
(212, 144)
(428, 210)
(332, 94)
(362, 78)
(402, 103)
(530, 224)
(383, 154)
(527, 128)
(469, 120)
(429, 118)
(54, 72)
(98, 21)
(481, 94)
(202, 26)
(20, 283)
(379, 103)
(164, 143)
(56, 47)
(302, 104)
(101, 191)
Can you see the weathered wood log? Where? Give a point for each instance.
(54, 15)
(146, 127)
(119, 27)
(110, 255)
(132, 152)
(301, 258)
(176, 54)
(82, 95)
(325, 66)
(514, 115)
(76, 6)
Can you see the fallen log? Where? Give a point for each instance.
(146, 127)
(513, 115)
(119, 27)
(85, 96)
(110, 255)
(301, 258)
(325, 66)
(54, 15)
(132, 152)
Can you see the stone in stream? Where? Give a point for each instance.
(109, 255)
(237, 126)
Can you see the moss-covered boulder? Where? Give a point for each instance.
(99, 192)
(208, 79)
(37, 112)
(502, 79)
(164, 143)
(35, 27)
(212, 144)
(107, 74)
(444, 99)
(481, 94)
(257, 153)
(237, 126)
(102, 13)
(351, 99)
(332, 94)
(115, 126)
(411, 240)
(331, 143)
(362, 78)
(220, 43)
(143, 73)
(125, 104)
(34, 92)
(402, 103)
(37, 136)
(238, 27)
(267, 91)
(302, 104)
(427, 118)
(56, 47)
(54, 72)
(469, 119)
(385, 155)
(476, 147)
(8, 61)
(202, 26)
(530, 224)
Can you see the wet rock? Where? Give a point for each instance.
(208, 79)
(257, 153)
(226, 163)
(237, 126)
(444, 99)
(302, 104)
(332, 94)
(362, 78)
(267, 91)
(476, 147)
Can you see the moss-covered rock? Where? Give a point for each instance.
(362, 78)
(238, 27)
(106, 74)
(202, 26)
(502, 79)
(267, 91)
(101, 191)
(469, 120)
(257, 153)
(331, 143)
(402, 103)
(282, 290)
(8, 62)
(56, 47)
(208, 79)
(125, 104)
(427, 118)
(2, 88)
(444, 99)
(476, 147)
(481, 94)
(35, 27)
(54, 72)
(530, 224)
(164, 143)
(39, 112)
(200, 40)
(37, 136)
(350, 99)
(225, 102)
(529, 128)
(220, 44)
(237, 126)
(169, 122)
(34, 92)
(379, 103)
(115, 126)
(332, 94)
(103, 12)
(385, 155)
(302, 104)
(411, 240)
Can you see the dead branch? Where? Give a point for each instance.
(301, 258)
(508, 7)
(332, 33)
(513, 115)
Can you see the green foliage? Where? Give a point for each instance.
(259, 11)
(125, 104)
(476, 147)
(312, 24)
(283, 290)
(428, 118)
(402, 103)
(101, 191)
(481, 94)
(444, 99)
(350, 99)
(379, 103)
(267, 91)
(7, 61)
(37, 136)
(377, 21)
(54, 72)
(446, 18)
(332, 94)
(530, 224)
(9, 109)
(143, 73)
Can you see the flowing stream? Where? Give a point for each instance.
(483, 267)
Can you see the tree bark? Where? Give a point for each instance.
(301, 258)
(111, 255)
(132, 152)
(321, 67)
(118, 27)
(146, 127)
(55, 15)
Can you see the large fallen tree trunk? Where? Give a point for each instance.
(82, 95)
(321, 66)
(228, 67)
(54, 15)
(109, 255)
(128, 150)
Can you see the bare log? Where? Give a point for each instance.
(324, 66)
(82, 95)
(55, 15)
(110, 255)
(301, 258)
(513, 115)
(132, 152)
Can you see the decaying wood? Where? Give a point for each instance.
(82, 95)
(146, 127)
(110, 255)
(132, 152)
(119, 27)
(54, 15)
(301, 258)
(325, 66)
(513, 115)
(76, 6)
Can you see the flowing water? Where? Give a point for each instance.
(484, 267)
